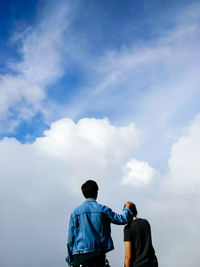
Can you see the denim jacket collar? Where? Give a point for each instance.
(90, 200)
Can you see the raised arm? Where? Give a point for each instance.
(123, 218)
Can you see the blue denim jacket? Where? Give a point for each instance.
(89, 228)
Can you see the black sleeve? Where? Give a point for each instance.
(127, 233)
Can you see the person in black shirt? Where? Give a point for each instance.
(139, 251)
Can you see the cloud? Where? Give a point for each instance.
(184, 175)
(94, 145)
(174, 208)
(145, 81)
(170, 203)
(42, 47)
(17, 89)
(164, 56)
(97, 134)
(155, 83)
(40, 182)
(138, 173)
(41, 64)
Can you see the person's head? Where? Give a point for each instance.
(90, 189)
(133, 209)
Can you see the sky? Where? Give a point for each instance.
(102, 90)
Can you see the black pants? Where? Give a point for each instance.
(93, 262)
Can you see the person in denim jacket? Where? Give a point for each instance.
(89, 235)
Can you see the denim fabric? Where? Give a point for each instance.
(89, 228)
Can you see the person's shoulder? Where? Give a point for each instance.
(78, 209)
(96, 206)
(103, 207)
(87, 207)
(144, 220)
(128, 226)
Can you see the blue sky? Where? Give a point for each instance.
(92, 33)
(113, 84)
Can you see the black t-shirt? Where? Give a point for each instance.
(139, 233)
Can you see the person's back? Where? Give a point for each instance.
(137, 237)
(92, 227)
(89, 236)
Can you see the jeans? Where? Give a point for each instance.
(96, 262)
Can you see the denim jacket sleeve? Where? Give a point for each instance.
(70, 242)
(115, 218)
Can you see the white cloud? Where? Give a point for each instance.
(39, 182)
(89, 136)
(138, 173)
(152, 81)
(174, 209)
(184, 175)
(42, 63)
(42, 47)
(94, 145)
(16, 89)
(158, 66)
(156, 83)
(171, 204)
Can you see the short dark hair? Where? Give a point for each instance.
(133, 209)
(90, 189)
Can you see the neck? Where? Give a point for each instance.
(135, 217)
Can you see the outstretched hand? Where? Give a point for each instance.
(128, 204)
